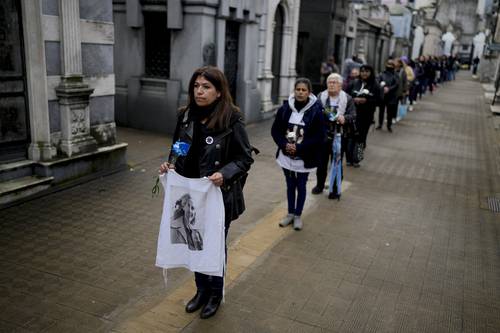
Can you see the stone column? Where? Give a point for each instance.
(292, 71)
(73, 94)
(198, 32)
(40, 148)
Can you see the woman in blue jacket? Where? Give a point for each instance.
(299, 132)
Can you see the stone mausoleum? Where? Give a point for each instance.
(57, 91)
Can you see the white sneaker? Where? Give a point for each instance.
(297, 223)
(287, 220)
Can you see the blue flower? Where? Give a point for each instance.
(180, 148)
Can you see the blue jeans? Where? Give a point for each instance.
(295, 190)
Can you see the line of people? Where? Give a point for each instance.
(312, 131)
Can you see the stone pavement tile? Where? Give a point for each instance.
(41, 324)
(355, 274)
(6, 327)
(233, 318)
(410, 247)
(316, 303)
(299, 327)
(347, 290)
(337, 308)
(17, 316)
(291, 307)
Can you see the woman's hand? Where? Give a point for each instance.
(291, 148)
(341, 119)
(164, 167)
(217, 178)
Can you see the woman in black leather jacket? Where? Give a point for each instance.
(219, 150)
(366, 95)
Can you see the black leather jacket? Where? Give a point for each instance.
(228, 152)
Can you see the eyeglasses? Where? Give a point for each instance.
(333, 82)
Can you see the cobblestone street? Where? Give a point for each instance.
(412, 246)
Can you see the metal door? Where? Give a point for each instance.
(231, 55)
(276, 60)
(14, 125)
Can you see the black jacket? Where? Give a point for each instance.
(365, 110)
(314, 133)
(391, 80)
(229, 153)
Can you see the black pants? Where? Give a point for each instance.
(364, 121)
(392, 111)
(210, 283)
(348, 148)
(322, 169)
(414, 91)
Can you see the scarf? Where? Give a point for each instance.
(323, 97)
(198, 113)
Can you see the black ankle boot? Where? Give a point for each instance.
(333, 196)
(212, 306)
(317, 190)
(200, 299)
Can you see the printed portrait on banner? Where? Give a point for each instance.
(186, 223)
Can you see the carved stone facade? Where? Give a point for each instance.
(63, 55)
(451, 26)
(236, 36)
(277, 42)
(374, 34)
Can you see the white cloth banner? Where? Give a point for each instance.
(192, 225)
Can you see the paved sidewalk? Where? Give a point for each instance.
(411, 246)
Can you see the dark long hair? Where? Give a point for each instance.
(369, 68)
(221, 117)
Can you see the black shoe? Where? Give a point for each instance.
(317, 190)
(349, 164)
(378, 127)
(200, 299)
(333, 196)
(356, 165)
(389, 129)
(211, 307)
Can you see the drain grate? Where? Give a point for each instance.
(494, 204)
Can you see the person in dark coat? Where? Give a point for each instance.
(298, 130)
(366, 95)
(338, 112)
(430, 73)
(219, 150)
(475, 65)
(389, 83)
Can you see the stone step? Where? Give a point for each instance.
(488, 96)
(488, 87)
(12, 170)
(495, 109)
(19, 188)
